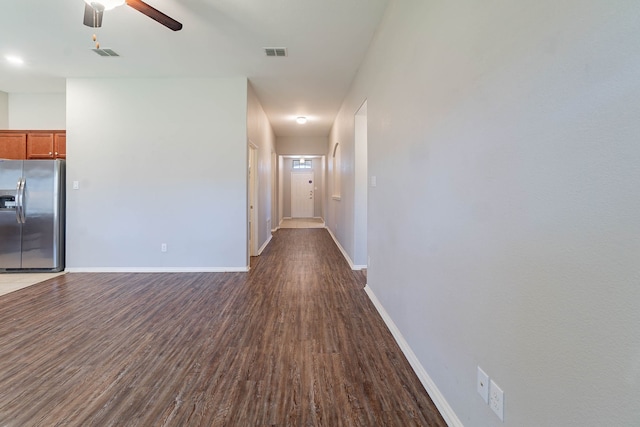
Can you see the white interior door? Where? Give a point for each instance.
(302, 198)
(253, 201)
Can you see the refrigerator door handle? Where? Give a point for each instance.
(18, 200)
(20, 208)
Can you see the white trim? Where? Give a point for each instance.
(281, 221)
(344, 253)
(265, 244)
(441, 403)
(253, 181)
(157, 269)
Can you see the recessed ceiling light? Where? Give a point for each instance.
(14, 60)
(301, 120)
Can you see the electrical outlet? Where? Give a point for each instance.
(163, 247)
(482, 385)
(496, 399)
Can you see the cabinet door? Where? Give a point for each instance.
(13, 146)
(60, 145)
(40, 146)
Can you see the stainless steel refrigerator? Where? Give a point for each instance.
(32, 219)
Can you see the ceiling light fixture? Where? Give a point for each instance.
(14, 60)
(107, 4)
(301, 120)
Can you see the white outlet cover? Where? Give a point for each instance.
(496, 399)
(482, 385)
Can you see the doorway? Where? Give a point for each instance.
(252, 202)
(302, 194)
(288, 165)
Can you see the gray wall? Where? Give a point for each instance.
(503, 231)
(301, 145)
(260, 133)
(37, 111)
(158, 161)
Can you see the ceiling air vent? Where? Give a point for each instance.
(275, 51)
(105, 52)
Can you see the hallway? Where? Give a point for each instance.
(294, 342)
(302, 223)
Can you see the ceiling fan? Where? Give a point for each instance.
(94, 9)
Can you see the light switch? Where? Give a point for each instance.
(76, 185)
(374, 181)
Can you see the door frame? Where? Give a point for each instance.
(252, 200)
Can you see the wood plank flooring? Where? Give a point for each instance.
(295, 342)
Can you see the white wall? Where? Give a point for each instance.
(360, 187)
(261, 134)
(503, 231)
(158, 161)
(4, 110)
(301, 145)
(340, 213)
(37, 111)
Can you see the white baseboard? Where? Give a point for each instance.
(156, 269)
(441, 403)
(280, 223)
(265, 244)
(344, 253)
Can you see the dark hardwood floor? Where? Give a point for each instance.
(295, 342)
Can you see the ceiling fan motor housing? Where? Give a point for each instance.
(93, 11)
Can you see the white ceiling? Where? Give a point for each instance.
(326, 41)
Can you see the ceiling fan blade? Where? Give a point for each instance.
(155, 14)
(93, 15)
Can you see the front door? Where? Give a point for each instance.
(302, 189)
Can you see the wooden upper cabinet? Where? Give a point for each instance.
(40, 146)
(13, 146)
(60, 145)
(33, 144)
